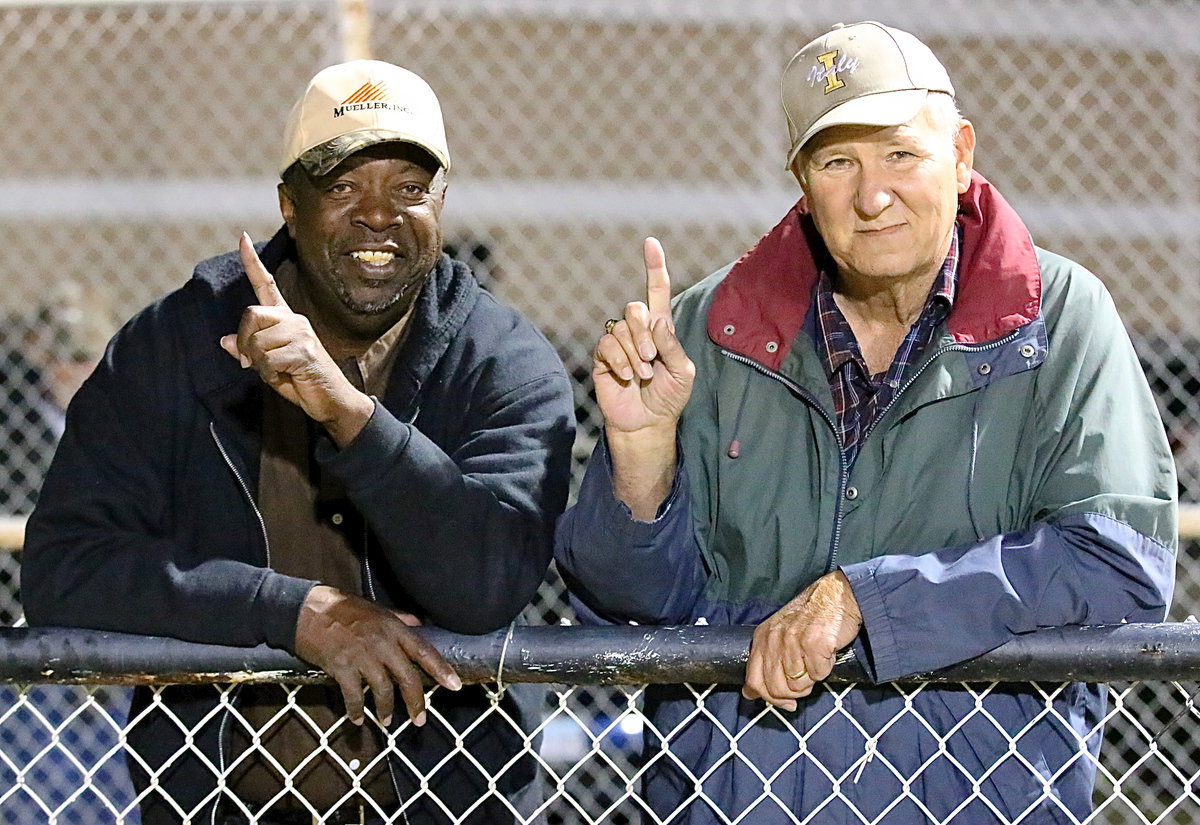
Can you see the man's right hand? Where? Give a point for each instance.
(353, 639)
(285, 351)
(643, 381)
(643, 377)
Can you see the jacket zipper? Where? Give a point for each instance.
(999, 342)
(262, 526)
(844, 478)
(831, 559)
(368, 578)
(369, 581)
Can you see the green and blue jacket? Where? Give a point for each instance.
(1020, 479)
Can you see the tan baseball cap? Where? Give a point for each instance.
(864, 74)
(351, 106)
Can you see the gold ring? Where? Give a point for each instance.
(799, 675)
(609, 324)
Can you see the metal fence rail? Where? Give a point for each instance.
(69, 766)
(592, 656)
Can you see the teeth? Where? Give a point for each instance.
(369, 256)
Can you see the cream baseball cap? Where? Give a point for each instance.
(864, 74)
(353, 105)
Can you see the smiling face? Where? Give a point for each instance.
(368, 234)
(884, 199)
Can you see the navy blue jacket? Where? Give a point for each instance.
(147, 522)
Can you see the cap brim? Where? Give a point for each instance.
(346, 145)
(881, 109)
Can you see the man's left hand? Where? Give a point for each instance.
(795, 648)
(355, 640)
(284, 350)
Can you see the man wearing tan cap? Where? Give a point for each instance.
(315, 445)
(895, 424)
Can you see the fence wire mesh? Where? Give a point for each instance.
(64, 750)
(140, 137)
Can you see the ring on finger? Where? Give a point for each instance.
(799, 675)
(609, 324)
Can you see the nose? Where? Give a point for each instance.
(378, 211)
(873, 193)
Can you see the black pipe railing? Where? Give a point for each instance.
(592, 656)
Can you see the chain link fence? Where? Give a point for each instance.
(69, 765)
(141, 137)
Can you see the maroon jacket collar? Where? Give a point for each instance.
(761, 304)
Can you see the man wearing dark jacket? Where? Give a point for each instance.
(316, 445)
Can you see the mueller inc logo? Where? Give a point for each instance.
(369, 96)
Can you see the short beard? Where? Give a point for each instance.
(374, 307)
(367, 307)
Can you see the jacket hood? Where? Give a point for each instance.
(760, 306)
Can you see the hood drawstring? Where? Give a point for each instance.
(735, 446)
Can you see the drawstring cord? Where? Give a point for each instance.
(735, 446)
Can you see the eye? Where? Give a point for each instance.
(833, 164)
(339, 187)
(412, 193)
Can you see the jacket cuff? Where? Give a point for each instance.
(359, 461)
(875, 647)
(623, 569)
(617, 516)
(278, 604)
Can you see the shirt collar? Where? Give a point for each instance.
(945, 286)
(840, 345)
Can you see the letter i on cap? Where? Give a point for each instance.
(863, 74)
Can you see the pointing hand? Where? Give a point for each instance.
(642, 375)
(284, 350)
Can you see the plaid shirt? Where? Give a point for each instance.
(858, 396)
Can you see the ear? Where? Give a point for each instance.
(439, 185)
(964, 153)
(797, 170)
(799, 178)
(287, 208)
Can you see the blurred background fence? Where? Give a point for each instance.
(141, 137)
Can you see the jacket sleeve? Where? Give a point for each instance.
(467, 529)
(1100, 546)
(101, 550)
(620, 569)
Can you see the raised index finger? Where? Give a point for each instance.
(658, 283)
(263, 282)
